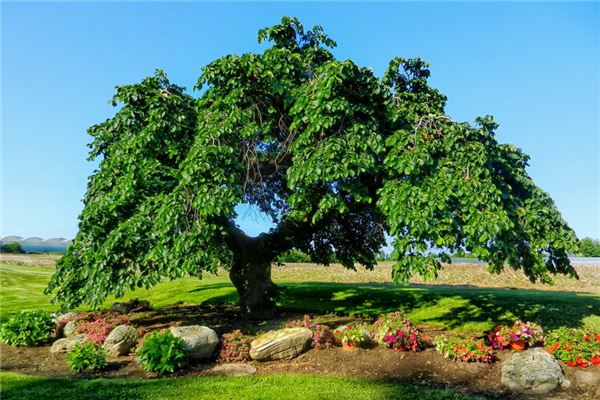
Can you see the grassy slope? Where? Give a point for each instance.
(282, 387)
(461, 309)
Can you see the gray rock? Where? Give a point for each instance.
(70, 329)
(121, 340)
(60, 317)
(532, 371)
(60, 320)
(65, 345)
(234, 370)
(280, 344)
(200, 341)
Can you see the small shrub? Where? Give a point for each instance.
(501, 338)
(98, 330)
(322, 336)
(28, 328)
(162, 352)
(396, 331)
(464, 349)
(234, 347)
(12, 248)
(306, 322)
(576, 347)
(87, 357)
(293, 256)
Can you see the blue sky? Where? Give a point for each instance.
(534, 66)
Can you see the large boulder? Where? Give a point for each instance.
(61, 320)
(65, 345)
(280, 344)
(200, 341)
(121, 340)
(533, 371)
(70, 329)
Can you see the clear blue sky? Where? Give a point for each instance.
(534, 66)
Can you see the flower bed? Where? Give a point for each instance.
(504, 337)
(464, 349)
(396, 331)
(234, 347)
(322, 335)
(576, 347)
(98, 327)
(351, 336)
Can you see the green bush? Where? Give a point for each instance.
(162, 352)
(589, 247)
(293, 256)
(28, 328)
(87, 357)
(14, 248)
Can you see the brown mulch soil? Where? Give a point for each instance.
(427, 367)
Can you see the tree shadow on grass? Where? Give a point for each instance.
(462, 309)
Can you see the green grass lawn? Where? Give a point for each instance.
(471, 310)
(21, 387)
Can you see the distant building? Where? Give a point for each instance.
(38, 245)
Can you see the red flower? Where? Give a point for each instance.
(595, 360)
(597, 339)
(572, 364)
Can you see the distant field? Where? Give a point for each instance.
(453, 275)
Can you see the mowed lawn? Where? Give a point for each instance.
(462, 309)
(276, 387)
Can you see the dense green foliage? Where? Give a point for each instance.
(87, 357)
(293, 256)
(28, 328)
(264, 387)
(334, 155)
(162, 352)
(589, 247)
(13, 248)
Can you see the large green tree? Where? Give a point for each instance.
(334, 155)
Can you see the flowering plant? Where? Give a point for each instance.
(576, 347)
(396, 331)
(501, 337)
(322, 335)
(464, 349)
(350, 335)
(98, 330)
(234, 347)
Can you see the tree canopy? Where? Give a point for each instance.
(336, 156)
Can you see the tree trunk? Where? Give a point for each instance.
(252, 279)
(251, 269)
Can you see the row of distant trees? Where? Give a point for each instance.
(588, 247)
(297, 256)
